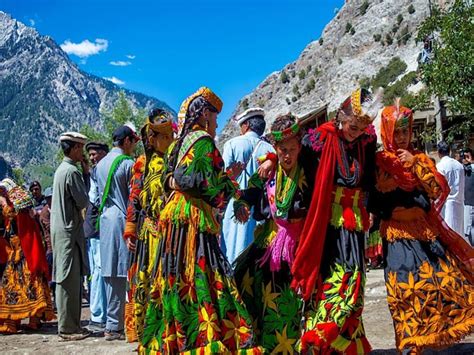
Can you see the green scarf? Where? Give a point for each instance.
(105, 195)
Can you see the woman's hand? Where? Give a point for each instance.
(131, 244)
(405, 156)
(242, 214)
(172, 183)
(265, 168)
(236, 169)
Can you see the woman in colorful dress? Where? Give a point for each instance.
(263, 271)
(195, 306)
(133, 223)
(144, 208)
(24, 290)
(430, 297)
(329, 266)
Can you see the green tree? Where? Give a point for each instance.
(348, 27)
(387, 74)
(302, 74)
(449, 75)
(399, 19)
(310, 85)
(245, 103)
(18, 176)
(284, 77)
(363, 8)
(120, 114)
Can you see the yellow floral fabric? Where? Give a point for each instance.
(22, 295)
(433, 307)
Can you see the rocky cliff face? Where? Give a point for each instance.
(361, 39)
(43, 93)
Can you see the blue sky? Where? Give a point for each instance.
(168, 49)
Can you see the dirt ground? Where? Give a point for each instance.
(377, 322)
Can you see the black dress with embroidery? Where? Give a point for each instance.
(333, 317)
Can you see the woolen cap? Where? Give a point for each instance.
(250, 113)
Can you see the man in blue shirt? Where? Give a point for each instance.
(243, 150)
(113, 175)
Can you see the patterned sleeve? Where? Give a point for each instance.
(134, 206)
(432, 181)
(200, 174)
(253, 194)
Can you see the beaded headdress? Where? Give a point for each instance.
(208, 95)
(287, 133)
(363, 104)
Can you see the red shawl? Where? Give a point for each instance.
(31, 244)
(308, 256)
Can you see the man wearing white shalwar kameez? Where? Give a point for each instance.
(453, 171)
(243, 150)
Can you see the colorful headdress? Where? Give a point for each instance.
(363, 105)
(287, 133)
(394, 117)
(18, 196)
(162, 122)
(208, 95)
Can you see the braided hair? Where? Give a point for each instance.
(195, 111)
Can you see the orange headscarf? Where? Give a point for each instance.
(394, 117)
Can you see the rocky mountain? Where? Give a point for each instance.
(43, 93)
(358, 44)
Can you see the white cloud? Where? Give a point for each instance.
(130, 56)
(120, 63)
(115, 80)
(86, 48)
(32, 22)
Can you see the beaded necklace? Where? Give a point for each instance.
(285, 190)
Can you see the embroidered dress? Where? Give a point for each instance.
(333, 310)
(428, 293)
(134, 324)
(24, 290)
(151, 198)
(263, 271)
(194, 306)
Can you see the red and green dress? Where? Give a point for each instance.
(263, 270)
(194, 305)
(329, 267)
(430, 297)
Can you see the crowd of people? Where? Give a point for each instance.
(262, 249)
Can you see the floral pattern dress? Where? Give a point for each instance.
(195, 306)
(430, 299)
(263, 270)
(133, 311)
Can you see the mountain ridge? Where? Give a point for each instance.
(43, 93)
(355, 45)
